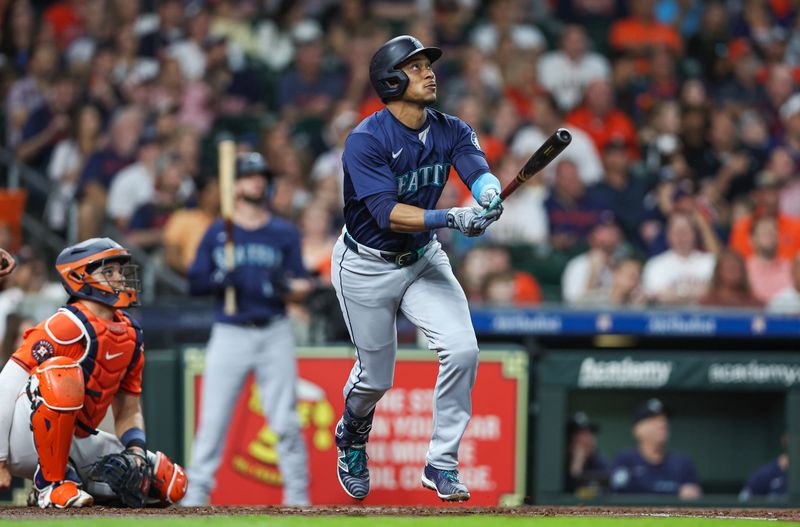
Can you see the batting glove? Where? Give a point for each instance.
(490, 198)
(471, 221)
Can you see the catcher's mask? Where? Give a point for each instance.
(77, 263)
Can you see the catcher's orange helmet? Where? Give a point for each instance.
(76, 264)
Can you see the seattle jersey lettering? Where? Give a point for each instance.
(257, 255)
(431, 175)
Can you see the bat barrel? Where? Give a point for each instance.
(563, 135)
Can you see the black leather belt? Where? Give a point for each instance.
(402, 259)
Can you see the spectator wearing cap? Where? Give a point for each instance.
(587, 469)
(587, 279)
(679, 275)
(766, 201)
(308, 88)
(599, 117)
(651, 468)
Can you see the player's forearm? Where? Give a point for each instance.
(127, 413)
(407, 218)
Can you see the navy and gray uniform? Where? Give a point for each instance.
(377, 271)
(631, 473)
(767, 481)
(257, 338)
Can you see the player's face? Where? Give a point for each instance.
(252, 186)
(421, 80)
(111, 274)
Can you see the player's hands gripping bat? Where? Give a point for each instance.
(554, 145)
(227, 167)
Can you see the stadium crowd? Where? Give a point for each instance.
(680, 187)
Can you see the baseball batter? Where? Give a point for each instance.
(268, 272)
(68, 371)
(396, 163)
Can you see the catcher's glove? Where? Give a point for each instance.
(129, 475)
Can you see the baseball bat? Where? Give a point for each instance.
(554, 145)
(227, 161)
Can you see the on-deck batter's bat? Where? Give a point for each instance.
(227, 167)
(554, 145)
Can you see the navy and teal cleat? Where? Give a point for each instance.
(352, 470)
(445, 483)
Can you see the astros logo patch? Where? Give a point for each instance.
(42, 350)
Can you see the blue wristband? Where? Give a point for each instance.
(436, 219)
(485, 181)
(134, 437)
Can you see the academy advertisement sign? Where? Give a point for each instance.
(492, 453)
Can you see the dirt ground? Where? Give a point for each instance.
(355, 510)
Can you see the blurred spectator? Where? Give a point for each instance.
(30, 92)
(780, 85)
(186, 226)
(588, 276)
(587, 468)
(66, 164)
(510, 289)
(599, 117)
(11, 335)
(134, 185)
(741, 87)
(566, 71)
(451, 19)
(640, 33)
(190, 51)
(317, 241)
(309, 88)
(547, 118)
(505, 21)
(790, 117)
(681, 274)
(96, 29)
(191, 97)
(345, 21)
(651, 468)
(172, 187)
(622, 192)
(329, 164)
(524, 216)
(571, 211)
(766, 200)
(769, 481)
(274, 34)
(711, 44)
(17, 35)
(626, 284)
(781, 164)
(66, 20)
(788, 300)
(103, 166)
(768, 272)
(48, 124)
(479, 77)
(168, 30)
(482, 261)
(730, 284)
(232, 20)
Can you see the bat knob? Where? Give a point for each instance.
(564, 135)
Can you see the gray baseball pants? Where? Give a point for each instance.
(234, 351)
(370, 291)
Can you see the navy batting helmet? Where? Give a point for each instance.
(252, 163)
(387, 80)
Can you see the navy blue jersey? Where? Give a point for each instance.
(631, 473)
(265, 257)
(768, 480)
(384, 157)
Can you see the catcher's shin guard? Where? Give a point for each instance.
(56, 391)
(169, 479)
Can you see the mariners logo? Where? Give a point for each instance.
(42, 350)
(474, 138)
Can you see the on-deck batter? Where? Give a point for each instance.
(396, 163)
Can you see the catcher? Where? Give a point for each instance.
(59, 384)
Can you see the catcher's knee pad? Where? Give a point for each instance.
(56, 391)
(169, 479)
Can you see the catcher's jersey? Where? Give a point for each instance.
(110, 353)
(383, 156)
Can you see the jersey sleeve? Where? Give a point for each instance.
(57, 336)
(367, 166)
(467, 156)
(202, 271)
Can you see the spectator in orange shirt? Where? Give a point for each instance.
(637, 34)
(766, 199)
(602, 120)
(185, 228)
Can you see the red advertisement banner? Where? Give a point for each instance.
(491, 456)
